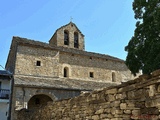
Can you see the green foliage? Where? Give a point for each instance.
(144, 47)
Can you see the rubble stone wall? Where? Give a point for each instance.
(27, 58)
(53, 62)
(136, 99)
(81, 66)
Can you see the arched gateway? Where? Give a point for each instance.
(38, 100)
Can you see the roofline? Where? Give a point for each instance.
(29, 42)
(57, 88)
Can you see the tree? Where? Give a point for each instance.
(144, 47)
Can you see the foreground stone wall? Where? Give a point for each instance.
(137, 99)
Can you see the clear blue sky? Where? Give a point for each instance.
(108, 25)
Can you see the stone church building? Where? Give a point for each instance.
(59, 69)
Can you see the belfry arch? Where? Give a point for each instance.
(38, 100)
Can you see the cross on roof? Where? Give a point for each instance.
(71, 18)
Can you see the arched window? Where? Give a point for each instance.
(76, 44)
(113, 77)
(66, 37)
(65, 72)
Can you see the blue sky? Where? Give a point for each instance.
(108, 25)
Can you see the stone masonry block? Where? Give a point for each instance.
(123, 106)
(111, 91)
(95, 117)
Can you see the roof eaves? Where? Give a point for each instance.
(26, 41)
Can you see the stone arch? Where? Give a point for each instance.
(39, 100)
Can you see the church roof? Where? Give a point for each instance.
(67, 25)
(29, 42)
(60, 83)
(71, 24)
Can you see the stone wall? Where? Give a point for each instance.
(53, 62)
(10, 64)
(136, 99)
(80, 67)
(27, 57)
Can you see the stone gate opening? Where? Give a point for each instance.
(38, 100)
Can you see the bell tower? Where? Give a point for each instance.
(68, 36)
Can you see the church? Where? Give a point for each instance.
(59, 69)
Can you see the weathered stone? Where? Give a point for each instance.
(110, 97)
(123, 106)
(95, 117)
(155, 73)
(158, 89)
(136, 112)
(115, 111)
(126, 117)
(131, 105)
(127, 88)
(144, 77)
(121, 96)
(102, 116)
(152, 102)
(108, 110)
(99, 111)
(152, 90)
(127, 111)
(115, 104)
(111, 91)
(116, 119)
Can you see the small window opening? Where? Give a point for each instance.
(66, 38)
(37, 101)
(65, 72)
(38, 63)
(90, 58)
(113, 77)
(91, 74)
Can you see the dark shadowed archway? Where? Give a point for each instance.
(38, 100)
